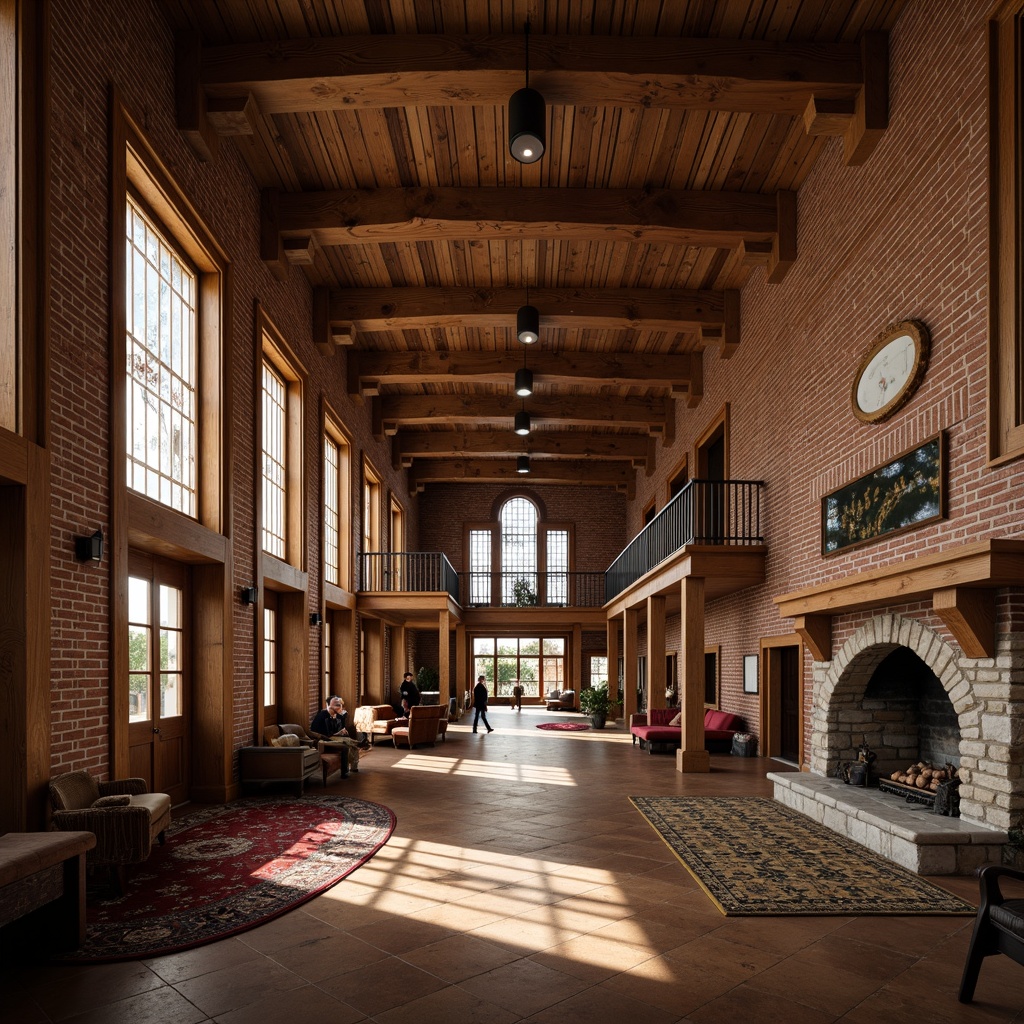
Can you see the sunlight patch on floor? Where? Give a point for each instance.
(548, 774)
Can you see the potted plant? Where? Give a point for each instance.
(594, 701)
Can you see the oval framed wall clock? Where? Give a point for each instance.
(890, 372)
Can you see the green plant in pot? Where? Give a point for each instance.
(428, 679)
(594, 701)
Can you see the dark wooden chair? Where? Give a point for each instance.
(999, 927)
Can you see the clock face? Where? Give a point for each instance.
(890, 372)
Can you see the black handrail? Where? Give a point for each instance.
(485, 589)
(403, 572)
(724, 512)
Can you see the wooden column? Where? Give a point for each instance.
(443, 660)
(656, 651)
(373, 666)
(692, 757)
(461, 666)
(612, 631)
(400, 653)
(576, 666)
(344, 657)
(629, 662)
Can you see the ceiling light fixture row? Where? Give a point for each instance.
(526, 120)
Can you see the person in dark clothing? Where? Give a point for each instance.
(409, 690)
(480, 703)
(330, 725)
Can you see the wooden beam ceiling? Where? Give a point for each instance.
(384, 173)
(369, 371)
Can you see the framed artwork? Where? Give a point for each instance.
(750, 673)
(890, 372)
(903, 494)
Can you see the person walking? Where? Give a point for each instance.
(480, 703)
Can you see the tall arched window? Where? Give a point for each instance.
(518, 521)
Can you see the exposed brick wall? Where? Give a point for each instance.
(137, 59)
(903, 236)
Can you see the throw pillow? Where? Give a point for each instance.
(677, 721)
(288, 740)
(114, 800)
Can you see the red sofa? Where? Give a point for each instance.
(719, 729)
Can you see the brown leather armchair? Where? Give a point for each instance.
(425, 724)
(122, 814)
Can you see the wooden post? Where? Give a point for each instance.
(443, 666)
(692, 757)
(629, 662)
(656, 651)
(612, 631)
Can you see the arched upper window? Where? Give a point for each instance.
(518, 519)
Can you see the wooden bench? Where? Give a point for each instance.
(42, 880)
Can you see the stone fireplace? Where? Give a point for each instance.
(898, 685)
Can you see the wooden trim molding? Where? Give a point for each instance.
(960, 581)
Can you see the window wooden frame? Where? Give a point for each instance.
(276, 352)
(682, 467)
(1006, 237)
(332, 428)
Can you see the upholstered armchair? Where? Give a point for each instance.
(123, 815)
(424, 726)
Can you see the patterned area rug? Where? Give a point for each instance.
(564, 726)
(754, 856)
(228, 868)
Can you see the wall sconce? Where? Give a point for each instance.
(522, 423)
(526, 121)
(316, 619)
(249, 595)
(523, 464)
(89, 549)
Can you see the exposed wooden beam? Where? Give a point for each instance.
(542, 471)
(673, 217)
(359, 71)
(390, 309)
(661, 372)
(651, 412)
(409, 445)
(816, 633)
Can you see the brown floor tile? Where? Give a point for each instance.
(515, 889)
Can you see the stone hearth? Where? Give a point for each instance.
(911, 836)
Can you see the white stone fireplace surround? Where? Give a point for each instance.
(988, 701)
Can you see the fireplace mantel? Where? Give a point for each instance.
(960, 581)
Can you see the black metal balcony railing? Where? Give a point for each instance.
(703, 512)
(528, 589)
(396, 572)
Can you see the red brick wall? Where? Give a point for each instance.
(904, 236)
(88, 57)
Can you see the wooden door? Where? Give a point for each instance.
(789, 701)
(711, 505)
(158, 675)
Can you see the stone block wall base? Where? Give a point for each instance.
(907, 834)
(693, 761)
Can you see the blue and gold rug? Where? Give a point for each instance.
(754, 856)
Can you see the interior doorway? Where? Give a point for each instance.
(711, 462)
(782, 699)
(159, 676)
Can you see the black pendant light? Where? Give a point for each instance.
(526, 117)
(523, 464)
(524, 382)
(528, 322)
(522, 423)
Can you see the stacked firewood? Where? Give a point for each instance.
(924, 776)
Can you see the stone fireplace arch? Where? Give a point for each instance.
(839, 687)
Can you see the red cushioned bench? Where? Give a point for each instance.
(719, 729)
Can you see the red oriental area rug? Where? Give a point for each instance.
(229, 868)
(564, 726)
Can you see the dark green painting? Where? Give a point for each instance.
(903, 493)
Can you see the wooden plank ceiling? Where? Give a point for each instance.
(678, 132)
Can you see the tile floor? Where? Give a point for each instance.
(521, 885)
